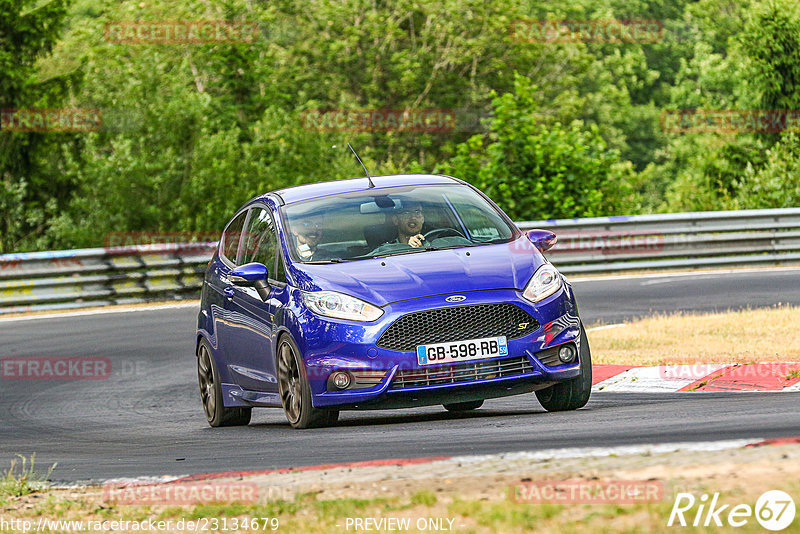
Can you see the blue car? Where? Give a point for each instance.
(391, 292)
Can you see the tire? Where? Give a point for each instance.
(211, 392)
(295, 391)
(463, 406)
(574, 393)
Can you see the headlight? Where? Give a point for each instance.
(545, 281)
(340, 306)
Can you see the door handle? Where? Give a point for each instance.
(228, 291)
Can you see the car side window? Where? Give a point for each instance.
(232, 236)
(260, 241)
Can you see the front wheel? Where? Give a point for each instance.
(571, 394)
(211, 393)
(295, 391)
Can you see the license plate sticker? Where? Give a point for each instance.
(459, 351)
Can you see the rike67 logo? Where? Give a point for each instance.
(774, 510)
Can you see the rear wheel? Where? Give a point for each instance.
(211, 393)
(574, 393)
(296, 392)
(463, 406)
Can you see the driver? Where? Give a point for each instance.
(307, 235)
(409, 221)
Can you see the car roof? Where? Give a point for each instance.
(352, 185)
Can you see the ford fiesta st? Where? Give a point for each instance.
(390, 292)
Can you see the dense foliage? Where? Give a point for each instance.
(549, 129)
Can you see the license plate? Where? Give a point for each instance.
(459, 351)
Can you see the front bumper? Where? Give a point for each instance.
(340, 345)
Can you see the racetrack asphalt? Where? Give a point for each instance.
(146, 418)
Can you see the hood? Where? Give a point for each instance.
(423, 274)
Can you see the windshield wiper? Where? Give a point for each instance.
(332, 260)
(467, 245)
(423, 249)
(411, 251)
(451, 246)
(493, 241)
(388, 255)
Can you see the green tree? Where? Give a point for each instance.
(775, 184)
(771, 41)
(31, 188)
(192, 131)
(536, 170)
(759, 70)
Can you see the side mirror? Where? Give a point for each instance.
(542, 239)
(253, 275)
(249, 274)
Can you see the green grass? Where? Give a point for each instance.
(307, 514)
(793, 374)
(21, 478)
(57, 508)
(501, 514)
(270, 509)
(346, 507)
(425, 498)
(505, 515)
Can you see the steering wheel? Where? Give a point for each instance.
(443, 232)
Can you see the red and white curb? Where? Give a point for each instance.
(497, 459)
(779, 377)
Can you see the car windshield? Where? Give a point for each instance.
(391, 221)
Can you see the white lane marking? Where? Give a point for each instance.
(605, 327)
(546, 454)
(673, 279)
(711, 272)
(663, 378)
(129, 481)
(622, 450)
(104, 311)
(676, 278)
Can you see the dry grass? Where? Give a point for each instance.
(748, 336)
(477, 502)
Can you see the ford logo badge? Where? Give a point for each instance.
(456, 298)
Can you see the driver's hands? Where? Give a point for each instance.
(416, 240)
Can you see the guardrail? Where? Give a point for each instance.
(100, 276)
(674, 241)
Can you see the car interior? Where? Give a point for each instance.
(374, 228)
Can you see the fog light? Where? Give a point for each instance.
(341, 379)
(566, 353)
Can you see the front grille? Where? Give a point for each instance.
(457, 323)
(462, 372)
